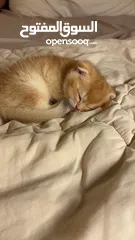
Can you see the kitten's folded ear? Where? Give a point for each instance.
(82, 71)
(111, 96)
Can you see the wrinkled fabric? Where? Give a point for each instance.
(73, 178)
(74, 8)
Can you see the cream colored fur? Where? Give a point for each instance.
(28, 85)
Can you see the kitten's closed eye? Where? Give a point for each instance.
(79, 97)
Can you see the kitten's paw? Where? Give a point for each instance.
(64, 108)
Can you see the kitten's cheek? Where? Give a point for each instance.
(106, 105)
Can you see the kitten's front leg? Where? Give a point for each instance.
(64, 108)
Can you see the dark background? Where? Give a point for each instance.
(6, 6)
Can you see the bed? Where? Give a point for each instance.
(71, 178)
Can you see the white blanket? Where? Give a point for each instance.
(73, 178)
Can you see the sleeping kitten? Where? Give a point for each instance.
(31, 88)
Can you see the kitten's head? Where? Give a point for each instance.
(86, 89)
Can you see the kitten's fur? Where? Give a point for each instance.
(28, 85)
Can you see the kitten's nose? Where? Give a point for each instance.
(76, 108)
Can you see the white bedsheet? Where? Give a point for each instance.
(73, 178)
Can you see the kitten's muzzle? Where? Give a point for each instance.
(72, 105)
(76, 108)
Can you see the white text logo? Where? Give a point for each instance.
(64, 29)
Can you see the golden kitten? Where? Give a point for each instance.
(30, 88)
